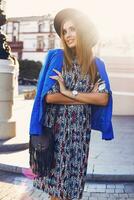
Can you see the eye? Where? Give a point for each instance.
(64, 32)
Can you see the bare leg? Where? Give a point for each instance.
(54, 198)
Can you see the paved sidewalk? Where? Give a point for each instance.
(108, 160)
(17, 187)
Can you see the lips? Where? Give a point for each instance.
(70, 41)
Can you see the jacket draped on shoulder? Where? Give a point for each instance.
(101, 116)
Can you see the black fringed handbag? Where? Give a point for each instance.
(41, 149)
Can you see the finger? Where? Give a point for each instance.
(95, 89)
(57, 72)
(96, 85)
(61, 79)
(59, 75)
(54, 77)
(57, 78)
(100, 81)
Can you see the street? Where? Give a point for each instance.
(17, 187)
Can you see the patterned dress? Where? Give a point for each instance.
(72, 138)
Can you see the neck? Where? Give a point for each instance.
(73, 51)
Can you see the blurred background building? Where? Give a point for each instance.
(29, 37)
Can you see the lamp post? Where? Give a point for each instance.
(4, 47)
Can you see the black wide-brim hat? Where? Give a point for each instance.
(73, 14)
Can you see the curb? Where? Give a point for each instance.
(13, 147)
(10, 168)
(89, 177)
(110, 177)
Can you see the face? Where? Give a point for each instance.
(69, 34)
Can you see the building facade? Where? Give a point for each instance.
(31, 37)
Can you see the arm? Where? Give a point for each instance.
(58, 98)
(82, 98)
(92, 97)
(89, 98)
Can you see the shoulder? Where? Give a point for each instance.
(100, 64)
(99, 60)
(52, 53)
(55, 51)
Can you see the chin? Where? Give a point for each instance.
(71, 46)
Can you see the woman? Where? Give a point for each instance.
(77, 86)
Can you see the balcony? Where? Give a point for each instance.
(16, 45)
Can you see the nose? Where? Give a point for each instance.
(69, 33)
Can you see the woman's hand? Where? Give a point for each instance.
(96, 87)
(60, 80)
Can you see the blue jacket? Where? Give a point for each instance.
(100, 115)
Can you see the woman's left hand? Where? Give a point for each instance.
(96, 86)
(60, 80)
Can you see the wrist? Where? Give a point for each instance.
(70, 94)
(66, 93)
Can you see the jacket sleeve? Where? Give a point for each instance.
(101, 118)
(35, 126)
(56, 62)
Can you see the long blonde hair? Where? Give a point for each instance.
(84, 51)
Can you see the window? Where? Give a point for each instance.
(40, 43)
(14, 38)
(51, 41)
(41, 26)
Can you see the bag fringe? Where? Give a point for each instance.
(41, 159)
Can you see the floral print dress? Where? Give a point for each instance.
(72, 138)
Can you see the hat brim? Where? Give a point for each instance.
(64, 14)
(70, 13)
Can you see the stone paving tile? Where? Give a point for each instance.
(18, 187)
(131, 195)
(110, 190)
(125, 195)
(113, 195)
(129, 188)
(119, 186)
(119, 190)
(111, 186)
